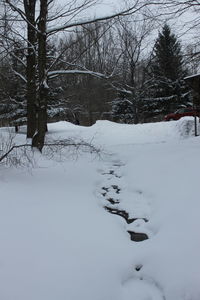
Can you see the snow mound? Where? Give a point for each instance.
(123, 134)
(185, 126)
(60, 126)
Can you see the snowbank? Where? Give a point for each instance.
(58, 241)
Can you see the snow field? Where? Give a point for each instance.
(57, 240)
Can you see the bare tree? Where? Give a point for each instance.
(29, 9)
(93, 48)
(133, 44)
(38, 32)
(38, 138)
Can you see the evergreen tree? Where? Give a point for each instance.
(122, 110)
(168, 59)
(167, 72)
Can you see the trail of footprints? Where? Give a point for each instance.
(110, 192)
(112, 201)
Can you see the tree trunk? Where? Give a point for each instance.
(38, 139)
(136, 118)
(29, 7)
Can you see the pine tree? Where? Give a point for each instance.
(168, 59)
(122, 110)
(167, 72)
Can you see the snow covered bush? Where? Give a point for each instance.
(122, 110)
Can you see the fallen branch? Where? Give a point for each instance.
(11, 149)
(54, 147)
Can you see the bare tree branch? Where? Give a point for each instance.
(131, 10)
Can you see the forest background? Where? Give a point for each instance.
(57, 62)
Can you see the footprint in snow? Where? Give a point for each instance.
(108, 192)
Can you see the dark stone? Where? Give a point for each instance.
(137, 236)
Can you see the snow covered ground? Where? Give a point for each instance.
(58, 242)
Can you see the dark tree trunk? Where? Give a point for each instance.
(38, 139)
(136, 118)
(29, 7)
(133, 85)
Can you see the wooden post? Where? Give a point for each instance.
(195, 126)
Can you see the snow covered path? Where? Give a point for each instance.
(136, 285)
(57, 240)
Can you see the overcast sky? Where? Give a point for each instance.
(106, 7)
(101, 8)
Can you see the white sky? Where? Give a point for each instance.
(105, 7)
(102, 7)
